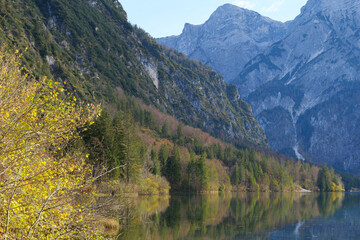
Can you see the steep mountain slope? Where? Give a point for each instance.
(305, 89)
(89, 46)
(228, 40)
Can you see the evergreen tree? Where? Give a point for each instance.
(180, 133)
(97, 138)
(197, 146)
(163, 157)
(156, 169)
(203, 172)
(117, 148)
(324, 179)
(213, 178)
(235, 177)
(165, 130)
(191, 170)
(149, 119)
(132, 150)
(173, 168)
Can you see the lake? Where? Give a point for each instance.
(240, 216)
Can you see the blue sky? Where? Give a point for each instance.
(163, 18)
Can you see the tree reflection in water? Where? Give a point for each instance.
(245, 215)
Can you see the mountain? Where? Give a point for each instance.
(228, 40)
(305, 89)
(89, 47)
(302, 83)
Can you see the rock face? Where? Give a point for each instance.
(228, 40)
(308, 86)
(305, 88)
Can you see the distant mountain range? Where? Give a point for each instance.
(302, 78)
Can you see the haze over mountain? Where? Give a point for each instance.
(304, 88)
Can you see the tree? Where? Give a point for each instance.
(163, 157)
(149, 119)
(39, 172)
(198, 173)
(97, 138)
(324, 179)
(203, 172)
(173, 167)
(156, 170)
(116, 150)
(254, 186)
(235, 175)
(180, 133)
(133, 150)
(165, 130)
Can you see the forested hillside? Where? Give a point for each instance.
(89, 47)
(149, 143)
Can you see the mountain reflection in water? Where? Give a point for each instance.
(241, 216)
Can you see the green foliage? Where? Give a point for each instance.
(163, 157)
(156, 170)
(113, 145)
(235, 177)
(165, 131)
(200, 177)
(180, 133)
(172, 168)
(327, 180)
(324, 179)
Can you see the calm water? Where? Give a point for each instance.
(242, 216)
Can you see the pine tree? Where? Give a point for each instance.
(172, 172)
(180, 133)
(324, 179)
(235, 176)
(117, 148)
(203, 172)
(132, 150)
(165, 130)
(156, 170)
(163, 157)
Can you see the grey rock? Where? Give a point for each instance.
(228, 40)
(312, 77)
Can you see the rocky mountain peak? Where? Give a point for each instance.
(227, 11)
(228, 39)
(333, 10)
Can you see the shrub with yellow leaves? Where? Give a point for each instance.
(38, 179)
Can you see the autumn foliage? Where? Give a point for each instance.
(38, 175)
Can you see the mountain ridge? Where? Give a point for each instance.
(232, 26)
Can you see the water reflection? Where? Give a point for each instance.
(242, 216)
